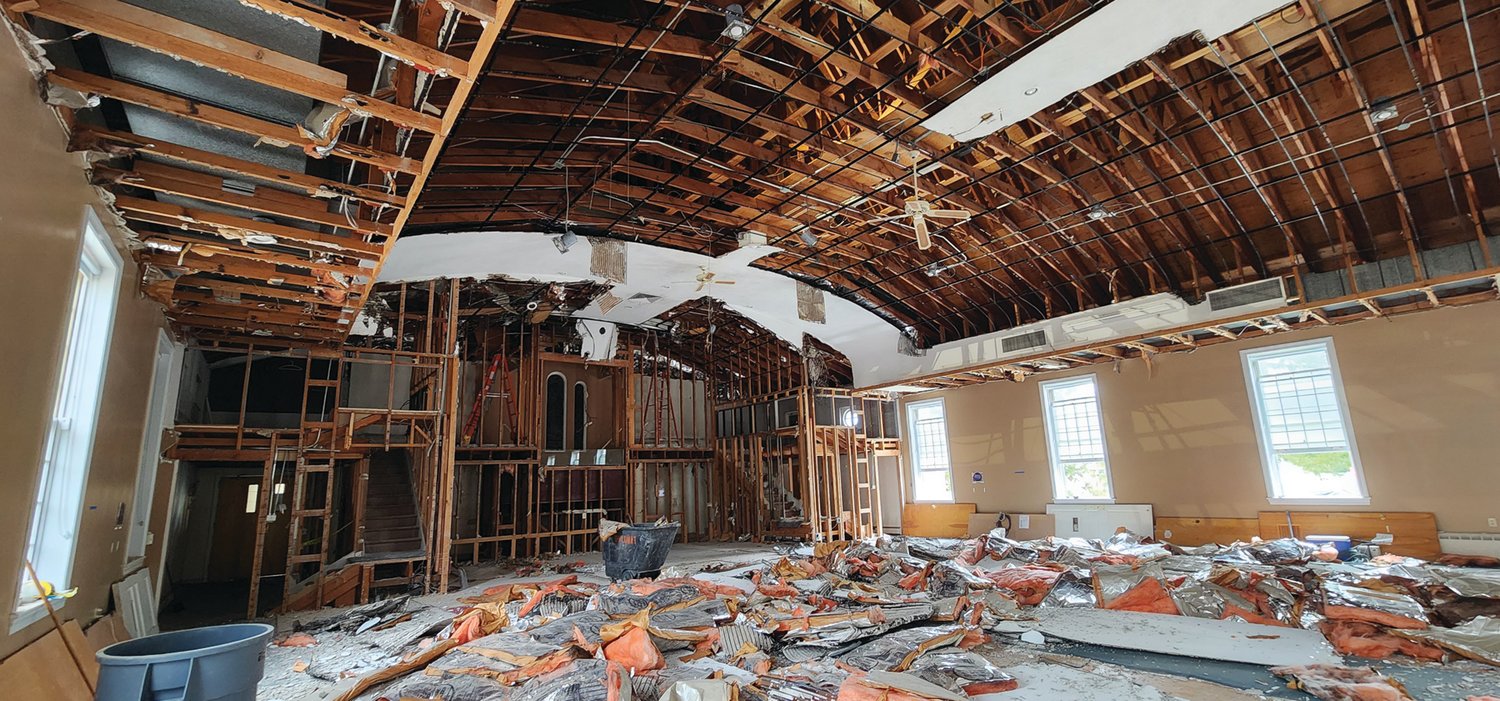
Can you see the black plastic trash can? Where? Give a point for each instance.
(218, 663)
(639, 550)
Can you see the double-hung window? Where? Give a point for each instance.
(1302, 423)
(1075, 440)
(932, 472)
(75, 410)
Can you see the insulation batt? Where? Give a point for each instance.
(1343, 683)
(1147, 597)
(1370, 641)
(1029, 583)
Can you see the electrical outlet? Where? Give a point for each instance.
(1492, 523)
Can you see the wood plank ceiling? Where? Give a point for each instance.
(1201, 166)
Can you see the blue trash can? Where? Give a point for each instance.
(218, 663)
(638, 550)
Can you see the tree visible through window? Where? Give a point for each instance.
(932, 473)
(1306, 446)
(1075, 439)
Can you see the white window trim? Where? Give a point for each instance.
(1263, 443)
(911, 442)
(1053, 464)
(96, 249)
(29, 613)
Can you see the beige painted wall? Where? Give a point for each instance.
(1423, 392)
(43, 192)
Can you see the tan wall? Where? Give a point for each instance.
(1423, 391)
(43, 192)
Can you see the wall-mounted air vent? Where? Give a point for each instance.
(1023, 341)
(1272, 290)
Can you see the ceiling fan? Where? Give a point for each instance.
(706, 277)
(918, 209)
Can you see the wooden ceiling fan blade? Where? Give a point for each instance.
(892, 217)
(924, 240)
(950, 213)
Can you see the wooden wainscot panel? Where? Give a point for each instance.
(1415, 532)
(1190, 531)
(936, 520)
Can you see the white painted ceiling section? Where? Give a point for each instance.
(670, 277)
(1096, 47)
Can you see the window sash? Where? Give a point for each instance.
(63, 475)
(1075, 433)
(932, 467)
(1300, 411)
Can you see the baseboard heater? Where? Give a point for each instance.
(1470, 543)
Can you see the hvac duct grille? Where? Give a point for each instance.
(1271, 290)
(1024, 341)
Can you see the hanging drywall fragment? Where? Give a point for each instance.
(810, 304)
(607, 259)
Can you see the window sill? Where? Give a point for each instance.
(1082, 501)
(27, 614)
(1321, 501)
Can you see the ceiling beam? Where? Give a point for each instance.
(191, 109)
(188, 42)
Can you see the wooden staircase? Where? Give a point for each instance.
(392, 526)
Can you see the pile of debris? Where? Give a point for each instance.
(897, 620)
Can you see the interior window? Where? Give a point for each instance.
(555, 433)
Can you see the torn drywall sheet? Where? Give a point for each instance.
(658, 279)
(810, 304)
(1232, 641)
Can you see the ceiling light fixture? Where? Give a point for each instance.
(735, 26)
(809, 238)
(1383, 110)
(565, 241)
(1030, 91)
(1098, 212)
(261, 239)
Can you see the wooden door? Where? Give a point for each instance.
(234, 531)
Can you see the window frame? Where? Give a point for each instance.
(78, 395)
(911, 409)
(1263, 445)
(1054, 464)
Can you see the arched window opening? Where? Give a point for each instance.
(580, 416)
(554, 431)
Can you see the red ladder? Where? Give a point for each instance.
(489, 380)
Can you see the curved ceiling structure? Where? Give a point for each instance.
(270, 162)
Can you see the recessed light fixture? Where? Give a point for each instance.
(1383, 110)
(808, 237)
(261, 239)
(1030, 91)
(735, 26)
(1098, 212)
(565, 241)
